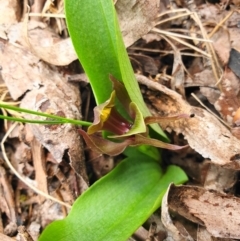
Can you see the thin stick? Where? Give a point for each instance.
(184, 43)
(182, 36)
(220, 24)
(172, 18)
(214, 60)
(171, 11)
(48, 15)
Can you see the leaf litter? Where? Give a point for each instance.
(170, 44)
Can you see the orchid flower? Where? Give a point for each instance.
(124, 132)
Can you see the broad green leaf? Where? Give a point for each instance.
(91, 26)
(150, 151)
(96, 37)
(116, 205)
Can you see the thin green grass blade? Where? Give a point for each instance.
(54, 118)
(115, 206)
(21, 120)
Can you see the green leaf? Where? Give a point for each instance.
(52, 119)
(130, 81)
(91, 27)
(116, 205)
(150, 151)
(96, 37)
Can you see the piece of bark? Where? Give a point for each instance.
(173, 233)
(204, 235)
(203, 132)
(219, 213)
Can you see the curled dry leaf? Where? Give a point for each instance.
(204, 132)
(53, 49)
(174, 234)
(219, 213)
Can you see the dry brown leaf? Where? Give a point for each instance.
(34, 229)
(144, 63)
(221, 179)
(60, 98)
(203, 234)
(234, 38)
(150, 37)
(219, 213)
(50, 47)
(8, 195)
(9, 11)
(50, 212)
(24, 234)
(234, 62)
(203, 132)
(177, 82)
(204, 77)
(19, 69)
(228, 102)
(222, 44)
(48, 91)
(137, 18)
(211, 13)
(5, 238)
